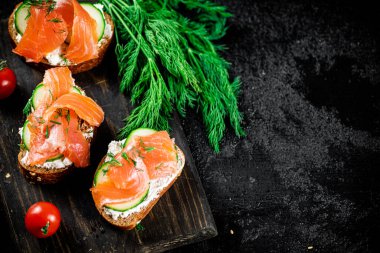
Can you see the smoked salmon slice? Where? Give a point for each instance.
(59, 81)
(106, 193)
(66, 9)
(158, 153)
(83, 41)
(77, 147)
(86, 108)
(128, 180)
(45, 31)
(43, 147)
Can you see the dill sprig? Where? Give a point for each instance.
(168, 59)
(28, 107)
(48, 4)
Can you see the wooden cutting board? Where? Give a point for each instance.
(182, 215)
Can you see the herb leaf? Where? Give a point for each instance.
(55, 20)
(113, 161)
(28, 107)
(47, 132)
(167, 59)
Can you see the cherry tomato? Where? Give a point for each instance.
(7, 80)
(42, 219)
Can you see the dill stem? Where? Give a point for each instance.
(112, 8)
(122, 4)
(195, 62)
(125, 16)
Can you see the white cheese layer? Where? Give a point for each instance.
(106, 35)
(56, 58)
(56, 164)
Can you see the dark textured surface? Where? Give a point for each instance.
(307, 174)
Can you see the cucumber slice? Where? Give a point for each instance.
(21, 18)
(98, 16)
(38, 95)
(26, 135)
(55, 158)
(101, 176)
(121, 207)
(138, 132)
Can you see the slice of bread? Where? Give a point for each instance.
(74, 68)
(43, 175)
(139, 212)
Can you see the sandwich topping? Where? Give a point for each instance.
(59, 122)
(63, 32)
(135, 171)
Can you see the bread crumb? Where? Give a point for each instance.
(7, 175)
(231, 232)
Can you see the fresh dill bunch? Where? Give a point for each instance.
(167, 60)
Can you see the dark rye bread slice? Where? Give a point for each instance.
(77, 68)
(133, 219)
(34, 174)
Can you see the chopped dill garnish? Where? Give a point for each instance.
(68, 117)
(168, 59)
(22, 146)
(55, 20)
(48, 4)
(39, 120)
(148, 149)
(47, 132)
(125, 156)
(51, 94)
(113, 160)
(55, 122)
(158, 167)
(105, 170)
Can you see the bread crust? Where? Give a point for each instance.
(81, 67)
(34, 174)
(132, 220)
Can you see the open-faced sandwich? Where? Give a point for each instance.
(134, 174)
(61, 33)
(59, 128)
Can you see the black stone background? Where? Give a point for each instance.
(307, 175)
(305, 179)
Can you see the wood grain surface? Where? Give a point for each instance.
(182, 216)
